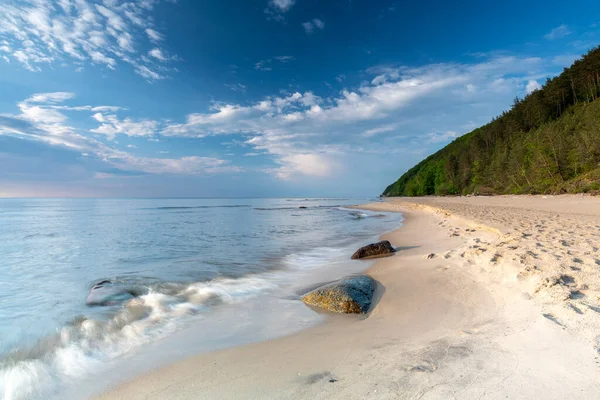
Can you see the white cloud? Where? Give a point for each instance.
(158, 54)
(236, 87)
(100, 58)
(113, 19)
(147, 73)
(532, 86)
(558, 32)
(309, 136)
(55, 97)
(153, 35)
(41, 120)
(310, 26)
(316, 165)
(263, 65)
(38, 34)
(383, 74)
(282, 5)
(410, 109)
(379, 129)
(111, 126)
(267, 65)
(284, 59)
(276, 8)
(318, 23)
(442, 137)
(193, 165)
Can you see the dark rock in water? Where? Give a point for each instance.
(379, 249)
(101, 284)
(108, 293)
(348, 296)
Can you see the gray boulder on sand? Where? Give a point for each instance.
(349, 296)
(379, 249)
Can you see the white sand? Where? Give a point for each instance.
(507, 308)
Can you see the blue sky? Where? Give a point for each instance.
(260, 97)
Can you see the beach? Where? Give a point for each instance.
(487, 297)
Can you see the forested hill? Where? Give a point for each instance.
(549, 142)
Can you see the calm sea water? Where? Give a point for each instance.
(193, 274)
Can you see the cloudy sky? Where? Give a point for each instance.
(260, 97)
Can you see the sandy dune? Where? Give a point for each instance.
(488, 298)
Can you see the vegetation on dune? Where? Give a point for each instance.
(549, 142)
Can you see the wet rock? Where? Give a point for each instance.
(349, 296)
(108, 293)
(379, 249)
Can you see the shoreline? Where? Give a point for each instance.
(441, 327)
(274, 312)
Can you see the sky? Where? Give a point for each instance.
(260, 98)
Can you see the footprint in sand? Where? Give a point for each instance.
(531, 254)
(553, 319)
(575, 308)
(315, 378)
(425, 366)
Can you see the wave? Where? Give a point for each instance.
(86, 343)
(361, 214)
(318, 199)
(41, 235)
(295, 208)
(316, 257)
(196, 207)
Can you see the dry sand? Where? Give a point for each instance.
(506, 306)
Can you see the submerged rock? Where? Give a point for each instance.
(108, 293)
(379, 249)
(348, 296)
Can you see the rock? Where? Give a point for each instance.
(302, 207)
(349, 296)
(380, 249)
(109, 293)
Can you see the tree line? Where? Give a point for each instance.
(548, 142)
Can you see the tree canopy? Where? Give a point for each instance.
(548, 142)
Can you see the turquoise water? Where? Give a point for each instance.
(161, 269)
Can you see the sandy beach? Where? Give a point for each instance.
(487, 298)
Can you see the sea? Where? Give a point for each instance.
(97, 291)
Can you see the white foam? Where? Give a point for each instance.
(85, 346)
(315, 258)
(25, 380)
